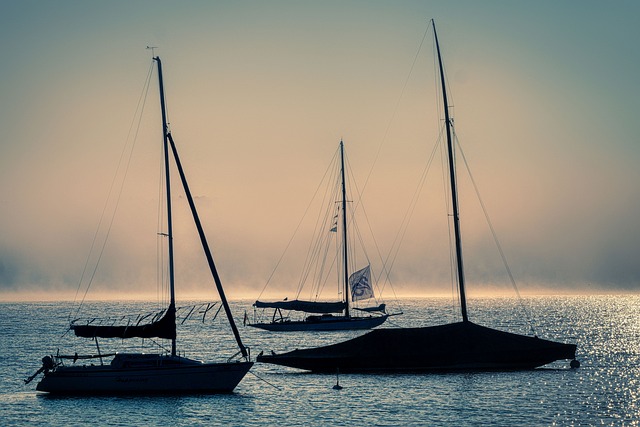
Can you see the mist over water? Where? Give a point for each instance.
(259, 96)
(604, 390)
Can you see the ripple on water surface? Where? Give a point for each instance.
(604, 390)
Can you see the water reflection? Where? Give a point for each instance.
(605, 390)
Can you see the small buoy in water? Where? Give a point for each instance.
(337, 386)
(575, 363)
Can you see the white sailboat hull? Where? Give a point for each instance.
(189, 377)
(332, 323)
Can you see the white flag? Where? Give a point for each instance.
(360, 284)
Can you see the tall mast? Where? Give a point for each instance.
(454, 191)
(165, 133)
(344, 233)
(168, 142)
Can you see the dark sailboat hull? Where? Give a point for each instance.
(451, 347)
(181, 376)
(321, 323)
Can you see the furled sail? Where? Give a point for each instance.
(306, 306)
(165, 328)
(360, 284)
(382, 308)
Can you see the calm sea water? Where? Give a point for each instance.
(605, 390)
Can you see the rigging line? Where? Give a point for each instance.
(439, 102)
(321, 278)
(395, 246)
(395, 111)
(320, 237)
(360, 204)
(437, 85)
(161, 247)
(352, 188)
(446, 183)
(160, 280)
(296, 230)
(375, 242)
(358, 233)
(329, 237)
(137, 114)
(453, 271)
(379, 289)
(320, 265)
(438, 89)
(495, 238)
(124, 178)
(359, 238)
(95, 237)
(262, 379)
(162, 273)
(436, 74)
(324, 238)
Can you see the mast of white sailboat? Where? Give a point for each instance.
(454, 191)
(344, 234)
(165, 132)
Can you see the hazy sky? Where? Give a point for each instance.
(260, 93)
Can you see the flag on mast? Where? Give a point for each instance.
(360, 284)
(334, 226)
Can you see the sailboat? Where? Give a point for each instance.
(461, 345)
(331, 315)
(142, 372)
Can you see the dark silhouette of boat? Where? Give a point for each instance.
(142, 372)
(331, 315)
(454, 346)
(457, 346)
